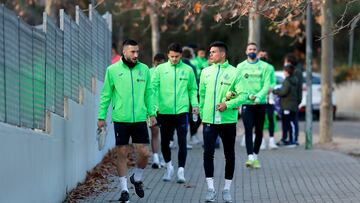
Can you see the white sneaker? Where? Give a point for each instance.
(272, 144)
(242, 143)
(180, 175)
(189, 146)
(162, 161)
(168, 173)
(194, 140)
(263, 144)
(172, 145)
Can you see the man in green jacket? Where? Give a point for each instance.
(270, 109)
(256, 81)
(218, 110)
(159, 58)
(127, 87)
(175, 84)
(200, 61)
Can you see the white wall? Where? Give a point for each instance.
(348, 99)
(39, 167)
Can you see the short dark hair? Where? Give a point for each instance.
(175, 47)
(291, 58)
(219, 44)
(251, 43)
(187, 54)
(201, 49)
(289, 68)
(130, 42)
(159, 57)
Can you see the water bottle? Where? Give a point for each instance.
(195, 117)
(217, 117)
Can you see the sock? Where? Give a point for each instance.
(169, 164)
(138, 174)
(250, 157)
(255, 156)
(227, 184)
(123, 183)
(271, 139)
(155, 158)
(210, 183)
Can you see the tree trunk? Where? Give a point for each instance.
(254, 25)
(155, 31)
(351, 41)
(327, 58)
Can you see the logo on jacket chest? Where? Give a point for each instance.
(183, 76)
(225, 80)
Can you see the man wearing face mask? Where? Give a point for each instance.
(270, 109)
(175, 83)
(256, 81)
(127, 86)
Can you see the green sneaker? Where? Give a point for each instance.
(249, 164)
(256, 164)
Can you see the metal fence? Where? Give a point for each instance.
(41, 65)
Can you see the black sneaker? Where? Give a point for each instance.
(139, 190)
(155, 166)
(282, 143)
(124, 197)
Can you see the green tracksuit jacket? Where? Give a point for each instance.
(175, 86)
(215, 81)
(129, 90)
(200, 64)
(256, 80)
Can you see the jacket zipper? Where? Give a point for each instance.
(132, 89)
(175, 88)
(217, 74)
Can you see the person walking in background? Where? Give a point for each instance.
(175, 83)
(298, 73)
(127, 86)
(194, 121)
(200, 61)
(115, 57)
(256, 81)
(219, 116)
(270, 109)
(288, 102)
(158, 59)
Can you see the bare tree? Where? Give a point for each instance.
(327, 64)
(254, 25)
(155, 31)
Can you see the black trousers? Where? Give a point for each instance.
(253, 116)
(168, 124)
(227, 133)
(288, 119)
(270, 116)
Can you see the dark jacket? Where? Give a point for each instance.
(288, 94)
(298, 73)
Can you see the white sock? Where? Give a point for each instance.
(210, 183)
(227, 184)
(169, 164)
(255, 156)
(123, 183)
(138, 174)
(271, 139)
(251, 157)
(155, 157)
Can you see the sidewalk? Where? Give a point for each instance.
(287, 175)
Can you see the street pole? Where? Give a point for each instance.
(309, 117)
